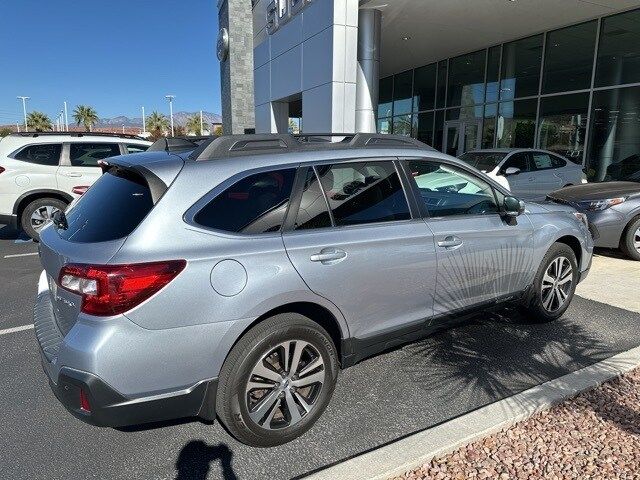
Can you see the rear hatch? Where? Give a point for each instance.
(96, 226)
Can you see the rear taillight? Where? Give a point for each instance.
(85, 406)
(113, 289)
(80, 190)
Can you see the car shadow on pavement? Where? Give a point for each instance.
(196, 457)
(8, 233)
(502, 353)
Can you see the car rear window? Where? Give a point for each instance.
(111, 209)
(42, 154)
(485, 162)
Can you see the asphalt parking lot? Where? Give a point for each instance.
(376, 402)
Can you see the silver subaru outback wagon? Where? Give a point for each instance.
(236, 280)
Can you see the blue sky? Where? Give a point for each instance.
(115, 55)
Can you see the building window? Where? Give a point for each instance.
(402, 90)
(385, 97)
(441, 94)
(466, 79)
(424, 87)
(563, 124)
(493, 74)
(568, 63)
(384, 125)
(619, 50)
(517, 124)
(438, 130)
(402, 125)
(489, 126)
(521, 68)
(614, 139)
(423, 127)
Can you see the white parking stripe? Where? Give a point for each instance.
(16, 329)
(21, 255)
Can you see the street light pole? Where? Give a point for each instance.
(24, 110)
(144, 122)
(201, 132)
(170, 98)
(66, 117)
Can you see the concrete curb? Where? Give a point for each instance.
(411, 452)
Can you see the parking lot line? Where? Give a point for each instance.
(16, 329)
(21, 255)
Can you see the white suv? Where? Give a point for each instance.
(43, 172)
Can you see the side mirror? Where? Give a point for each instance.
(513, 207)
(511, 171)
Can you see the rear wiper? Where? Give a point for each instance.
(59, 219)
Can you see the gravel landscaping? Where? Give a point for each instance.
(595, 435)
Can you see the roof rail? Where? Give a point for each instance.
(227, 146)
(76, 134)
(179, 144)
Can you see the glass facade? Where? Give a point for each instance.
(574, 91)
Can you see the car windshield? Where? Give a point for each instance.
(484, 161)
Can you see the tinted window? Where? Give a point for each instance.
(489, 126)
(40, 154)
(385, 100)
(88, 154)
(364, 193)
(136, 148)
(402, 87)
(402, 125)
(568, 60)
(313, 211)
(466, 79)
(521, 68)
(493, 74)
(563, 124)
(517, 124)
(423, 127)
(542, 161)
(619, 51)
(441, 93)
(112, 208)
(449, 191)
(518, 160)
(485, 161)
(255, 204)
(424, 87)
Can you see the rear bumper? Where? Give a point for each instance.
(11, 220)
(109, 408)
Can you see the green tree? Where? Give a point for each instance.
(157, 124)
(86, 116)
(217, 130)
(4, 131)
(193, 124)
(38, 121)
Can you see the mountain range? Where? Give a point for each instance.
(179, 118)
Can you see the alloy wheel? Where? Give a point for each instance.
(41, 216)
(556, 284)
(285, 384)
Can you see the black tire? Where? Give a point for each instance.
(534, 305)
(233, 396)
(629, 237)
(25, 217)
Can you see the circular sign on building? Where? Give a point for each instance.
(222, 45)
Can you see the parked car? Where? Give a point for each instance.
(613, 209)
(235, 281)
(528, 174)
(41, 173)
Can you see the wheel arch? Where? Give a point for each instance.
(575, 245)
(26, 198)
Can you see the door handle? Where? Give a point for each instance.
(329, 256)
(450, 242)
(72, 174)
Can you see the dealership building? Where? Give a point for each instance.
(562, 75)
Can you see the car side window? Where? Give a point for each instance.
(518, 160)
(88, 154)
(42, 154)
(364, 192)
(558, 162)
(542, 161)
(136, 148)
(451, 191)
(255, 204)
(313, 211)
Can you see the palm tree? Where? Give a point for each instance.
(38, 121)
(193, 124)
(85, 115)
(157, 123)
